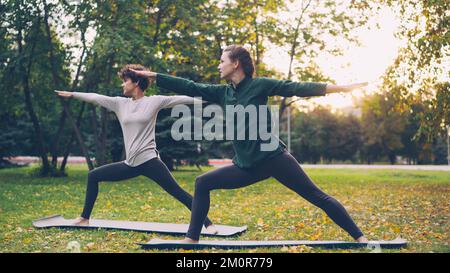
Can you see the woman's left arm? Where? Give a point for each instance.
(286, 88)
(110, 103)
(171, 101)
(331, 88)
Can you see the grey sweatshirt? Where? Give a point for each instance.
(137, 119)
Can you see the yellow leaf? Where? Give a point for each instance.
(260, 222)
(90, 246)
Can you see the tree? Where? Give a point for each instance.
(419, 74)
(60, 83)
(304, 37)
(347, 138)
(382, 127)
(26, 70)
(306, 145)
(321, 135)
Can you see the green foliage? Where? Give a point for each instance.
(320, 135)
(382, 126)
(26, 66)
(420, 74)
(177, 152)
(185, 38)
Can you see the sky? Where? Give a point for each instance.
(366, 63)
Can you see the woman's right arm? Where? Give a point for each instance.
(208, 92)
(109, 103)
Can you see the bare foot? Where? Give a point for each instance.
(80, 221)
(188, 241)
(362, 239)
(212, 229)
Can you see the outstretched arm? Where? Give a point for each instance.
(331, 88)
(109, 103)
(287, 88)
(171, 101)
(208, 92)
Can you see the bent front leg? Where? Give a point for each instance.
(111, 172)
(228, 177)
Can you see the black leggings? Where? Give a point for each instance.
(154, 169)
(285, 169)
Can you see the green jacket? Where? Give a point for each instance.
(250, 91)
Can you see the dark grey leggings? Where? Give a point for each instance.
(285, 169)
(154, 169)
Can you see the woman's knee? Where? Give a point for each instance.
(317, 197)
(324, 200)
(200, 183)
(93, 176)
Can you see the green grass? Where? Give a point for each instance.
(385, 204)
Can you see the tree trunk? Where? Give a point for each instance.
(284, 104)
(94, 123)
(103, 134)
(70, 143)
(392, 158)
(54, 152)
(257, 50)
(42, 149)
(66, 109)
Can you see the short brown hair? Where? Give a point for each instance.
(239, 53)
(125, 73)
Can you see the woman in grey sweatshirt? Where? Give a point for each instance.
(137, 116)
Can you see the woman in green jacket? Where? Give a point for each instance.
(252, 164)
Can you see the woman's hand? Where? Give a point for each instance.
(354, 86)
(344, 88)
(145, 73)
(64, 94)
